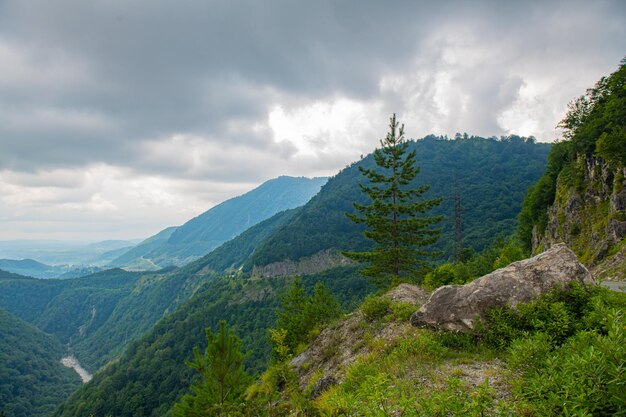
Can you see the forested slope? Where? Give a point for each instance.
(33, 382)
(148, 378)
(200, 235)
(493, 176)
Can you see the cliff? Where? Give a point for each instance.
(589, 215)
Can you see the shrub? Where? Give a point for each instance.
(425, 346)
(375, 307)
(402, 311)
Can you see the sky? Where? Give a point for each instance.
(120, 118)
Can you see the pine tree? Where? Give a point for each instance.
(395, 218)
(299, 314)
(224, 379)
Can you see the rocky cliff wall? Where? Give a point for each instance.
(589, 215)
(314, 264)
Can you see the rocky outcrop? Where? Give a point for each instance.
(589, 215)
(456, 307)
(314, 264)
(343, 342)
(408, 293)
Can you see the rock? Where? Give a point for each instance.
(408, 293)
(318, 262)
(456, 307)
(322, 385)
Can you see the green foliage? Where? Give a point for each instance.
(299, 315)
(499, 254)
(149, 377)
(560, 314)
(541, 195)
(32, 380)
(595, 125)
(584, 376)
(395, 218)
(223, 378)
(402, 312)
(375, 307)
(596, 122)
(442, 275)
(494, 177)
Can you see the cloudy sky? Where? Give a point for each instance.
(119, 118)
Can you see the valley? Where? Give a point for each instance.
(312, 209)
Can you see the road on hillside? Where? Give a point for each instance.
(615, 286)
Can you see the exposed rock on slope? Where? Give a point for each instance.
(341, 343)
(455, 307)
(314, 264)
(589, 215)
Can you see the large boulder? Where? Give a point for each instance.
(456, 307)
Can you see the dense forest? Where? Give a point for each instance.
(322, 220)
(33, 382)
(493, 176)
(247, 305)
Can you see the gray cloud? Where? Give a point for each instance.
(184, 91)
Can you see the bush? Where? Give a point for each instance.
(425, 347)
(559, 313)
(583, 377)
(375, 307)
(531, 353)
(402, 311)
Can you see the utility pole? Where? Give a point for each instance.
(458, 239)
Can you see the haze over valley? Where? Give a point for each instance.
(312, 208)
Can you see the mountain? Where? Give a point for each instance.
(136, 257)
(221, 223)
(493, 176)
(62, 253)
(581, 198)
(33, 382)
(32, 268)
(155, 359)
(247, 302)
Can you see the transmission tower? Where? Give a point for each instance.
(458, 238)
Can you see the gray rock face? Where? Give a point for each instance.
(408, 293)
(456, 307)
(314, 264)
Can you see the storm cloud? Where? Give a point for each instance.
(109, 109)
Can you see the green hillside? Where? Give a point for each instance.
(133, 257)
(493, 177)
(223, 222)
(246, 304)
(33, 382)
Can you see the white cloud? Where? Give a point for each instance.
(140, 116)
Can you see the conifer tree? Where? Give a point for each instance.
(224, 379)
(395, 219)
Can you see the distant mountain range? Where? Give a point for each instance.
(54, 253)
(172, 246)
(202, 234)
